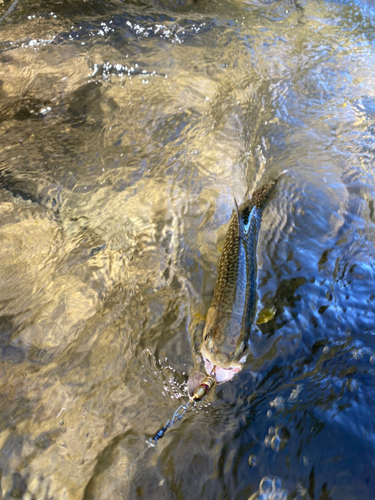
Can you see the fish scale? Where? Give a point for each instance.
(232, 310)
(237, 269)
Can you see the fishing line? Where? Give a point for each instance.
(11, 8)
(199, 393)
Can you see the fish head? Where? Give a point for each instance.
(224, 345)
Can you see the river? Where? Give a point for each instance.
(127, 129)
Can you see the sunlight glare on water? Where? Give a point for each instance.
(127, 132)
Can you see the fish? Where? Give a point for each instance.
(225, 338)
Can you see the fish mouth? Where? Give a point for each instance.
(221, 374)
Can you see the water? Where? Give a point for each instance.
(127, 129)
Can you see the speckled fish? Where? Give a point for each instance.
(224, 344)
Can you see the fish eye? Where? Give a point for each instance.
(207, 336)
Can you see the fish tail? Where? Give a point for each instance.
(259, 196)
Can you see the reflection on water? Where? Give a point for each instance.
(126, 132)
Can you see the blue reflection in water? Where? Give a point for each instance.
(127, 130)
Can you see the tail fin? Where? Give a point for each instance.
(259, 196)
(261, 193)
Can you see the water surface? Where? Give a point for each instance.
(127, 130)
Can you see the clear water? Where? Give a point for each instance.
(127, 129)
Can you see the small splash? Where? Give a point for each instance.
(168, 31)
(278, 403)
(295, 393)
(253, 461)
(351, 384)
(276, 438)
(270, 489)
(357, 354)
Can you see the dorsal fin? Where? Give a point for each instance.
(239, 221)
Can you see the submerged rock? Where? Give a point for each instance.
(46, 309)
